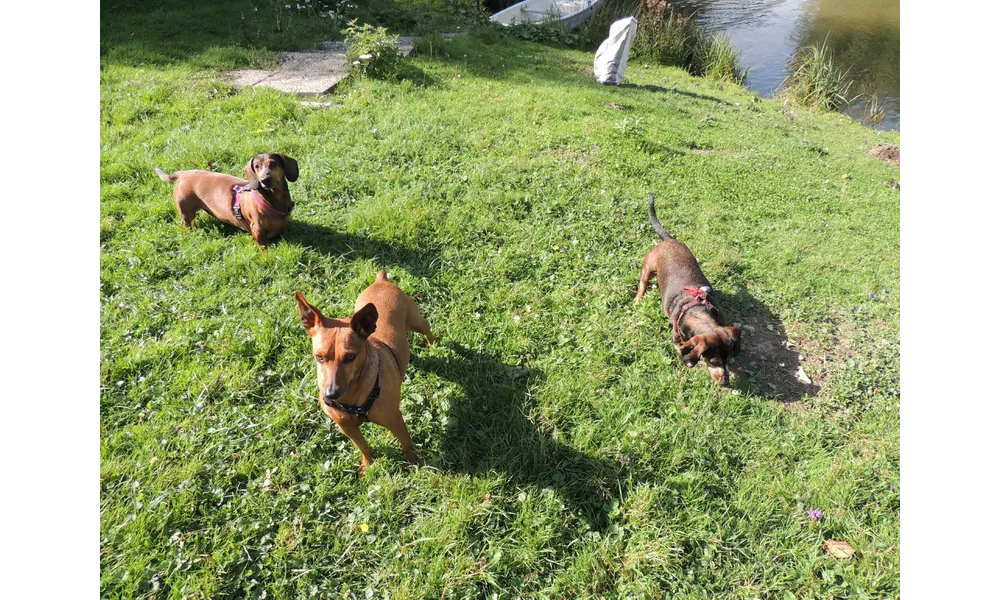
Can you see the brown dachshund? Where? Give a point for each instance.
(361, 362)
(259, 204)
(698, 324)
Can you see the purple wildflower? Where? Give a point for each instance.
(624, 459)
(815, 514)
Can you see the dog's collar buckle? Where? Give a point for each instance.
(237, 211)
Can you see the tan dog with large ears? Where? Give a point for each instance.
(260, 204)
(361, 361)
(700, 330)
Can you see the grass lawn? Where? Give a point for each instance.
(567, 452)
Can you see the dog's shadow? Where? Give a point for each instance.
(769, 363)
(419, 261)
(490, 430)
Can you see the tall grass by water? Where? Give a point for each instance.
(815, 80)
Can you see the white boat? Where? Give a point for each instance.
(568, 12)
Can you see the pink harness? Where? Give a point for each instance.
(266, 208)
(699, 295)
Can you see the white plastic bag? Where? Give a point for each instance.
(609, 62)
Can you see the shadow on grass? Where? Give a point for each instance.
(222, 33)
(660, 88)
(407, 71)
(419, 261)
(766, 365)
(489, 431)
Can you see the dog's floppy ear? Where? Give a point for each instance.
(251, 175)
(363, 321)
(692, 350)
(734, 332)
(290, 166)
(311, 317)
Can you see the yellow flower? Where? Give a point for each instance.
(363, 527)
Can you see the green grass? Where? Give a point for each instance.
(567, 451)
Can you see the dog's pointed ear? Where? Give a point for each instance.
(363, 321)
(311, 317)
(692, 350)
(251, 175)
(734, 331)
(290, 166)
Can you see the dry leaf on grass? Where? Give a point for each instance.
(615, 105)
(838, 549)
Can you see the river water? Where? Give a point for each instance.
(863, 34)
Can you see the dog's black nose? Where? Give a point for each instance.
(332, 393)
(266, 182)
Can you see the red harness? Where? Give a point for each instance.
(699, 296)
(266, 208)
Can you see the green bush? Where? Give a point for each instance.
(371, 51)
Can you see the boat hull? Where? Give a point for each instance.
(539, 11)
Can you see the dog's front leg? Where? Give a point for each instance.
(397, 427)
(354, 433)
(258, 236)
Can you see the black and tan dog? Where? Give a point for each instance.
(259, 204)
(361, 361)
(700, 330)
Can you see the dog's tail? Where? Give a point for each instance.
(381, 276)
(656, 222)
(164, 176)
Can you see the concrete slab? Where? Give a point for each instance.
(311, 72)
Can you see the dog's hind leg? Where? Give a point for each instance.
(416, 322)
(648, 271)
(187, 207)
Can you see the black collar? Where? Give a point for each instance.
(360, 412)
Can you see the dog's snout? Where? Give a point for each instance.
(332, 393)
(266, 181)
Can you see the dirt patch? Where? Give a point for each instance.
(887, 152)
(770, 363)
(777, 365)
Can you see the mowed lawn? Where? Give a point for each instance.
(567, 452)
